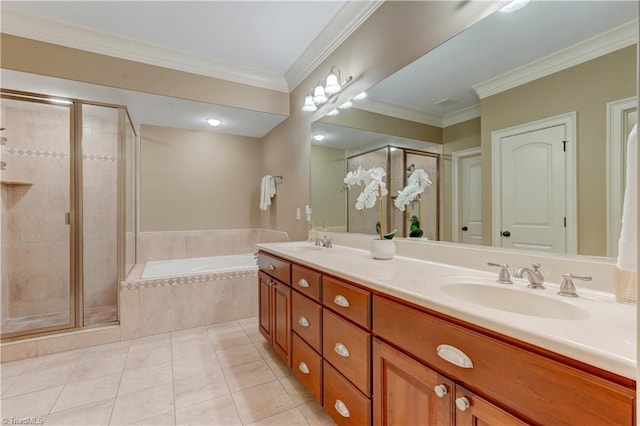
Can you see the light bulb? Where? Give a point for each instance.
(333, 85)
(319, 97)
(333, 113)
(309, 106)
(360, 96)
(214, 122)
(319, 137)
(346, 105)
(513, 6)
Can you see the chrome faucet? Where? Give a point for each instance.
(503, 275)
(324, 242)
(535, 277)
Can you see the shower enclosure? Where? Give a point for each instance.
(67, 229)
(398, 162)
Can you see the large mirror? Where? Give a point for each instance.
(527, 115)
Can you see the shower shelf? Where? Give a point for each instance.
(15, 183)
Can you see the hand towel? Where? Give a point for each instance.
(267, 191)
(627, 244)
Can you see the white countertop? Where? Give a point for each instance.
(603, 335)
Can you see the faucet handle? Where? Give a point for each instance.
(535, 266)
(503, 276)
(567, 288)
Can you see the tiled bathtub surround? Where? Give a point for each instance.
(185, 244)
(155, 306)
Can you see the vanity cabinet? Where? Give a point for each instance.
(274, 306)
(532, 386)
(371, 358)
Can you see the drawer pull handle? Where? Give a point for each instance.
(340, 300)
(454, 355)
(303, 283)
(341, 350)
(303, 322)
(440, 390)
(342, 409)
(463, 403)
(272, 267)
(304, 368)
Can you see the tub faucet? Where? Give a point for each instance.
(535, 277)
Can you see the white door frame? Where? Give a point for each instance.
(456, 158)
(615, 168)
(571, 189)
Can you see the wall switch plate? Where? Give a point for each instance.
(297, 213)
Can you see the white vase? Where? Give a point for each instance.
(382, 249)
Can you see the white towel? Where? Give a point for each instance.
(267, 191)
(627, 244)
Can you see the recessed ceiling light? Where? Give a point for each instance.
(346, 105)
(513, 6)
(333, 113)
(319, 137)
(360, 96)
(214, 122)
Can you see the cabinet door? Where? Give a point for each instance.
(282, 321)
(404, 390)
(472, 410)
(265, 306)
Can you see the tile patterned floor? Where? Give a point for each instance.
(224, 374)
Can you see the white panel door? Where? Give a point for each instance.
(533, 190)
(471, 199)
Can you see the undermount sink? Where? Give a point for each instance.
(510, 300)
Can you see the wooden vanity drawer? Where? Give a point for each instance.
(348, 349)
(350, 301)
(307, 281)
(277, 268)
(538, 388)
(306, 318)
(344, 402)
(307, 367)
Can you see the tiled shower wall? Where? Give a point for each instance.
(35, 248)
(99, 170)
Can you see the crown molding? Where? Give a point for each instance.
(50, 31)
(396, 111)
(461, 116)
(608, 42)
(346, 21)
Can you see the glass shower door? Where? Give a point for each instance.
(35, 231)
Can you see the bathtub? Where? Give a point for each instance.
(198, 265)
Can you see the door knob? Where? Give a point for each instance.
(506, 234)
(464, 228)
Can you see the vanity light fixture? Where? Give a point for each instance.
(319, 137)
(513, 6)
(326, 90)
(60, 101)
(214, 122)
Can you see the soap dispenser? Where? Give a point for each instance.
(311, 232)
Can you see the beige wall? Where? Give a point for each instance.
(328, 168)
(193, 180)
(395, 35)
(458, 137)
(586, 89)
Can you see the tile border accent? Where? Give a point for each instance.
(36, 153)
(188, 279)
